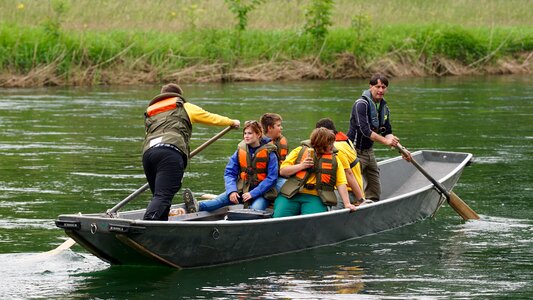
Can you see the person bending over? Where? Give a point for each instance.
(168, 128)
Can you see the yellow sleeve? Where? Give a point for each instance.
(342, 156)
(291, 157)
(341, 175)
(199, 115)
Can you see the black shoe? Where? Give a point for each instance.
(191, 205)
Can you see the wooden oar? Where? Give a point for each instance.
(70, 242)
(64, 246)
(455, 202)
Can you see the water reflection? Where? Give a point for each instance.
(308, 275)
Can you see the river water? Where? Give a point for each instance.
(69, 150)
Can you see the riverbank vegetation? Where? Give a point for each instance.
(62, 42)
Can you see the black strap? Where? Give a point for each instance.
(354, 163)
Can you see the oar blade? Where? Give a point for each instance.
(66, 245)
(462, 208)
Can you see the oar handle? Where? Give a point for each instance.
(146, 185)
(437, 184)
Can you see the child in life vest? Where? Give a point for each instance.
(314, 172)
(272, 128)
(251, 173)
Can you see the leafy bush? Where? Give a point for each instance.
(318, 18)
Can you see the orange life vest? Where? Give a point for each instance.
(282, 148)
(252, 170)
(325, 169)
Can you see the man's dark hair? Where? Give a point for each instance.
(172, 88)
(326, 123)
(380, 77)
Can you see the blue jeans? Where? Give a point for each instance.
(223, 200)
(280, 182)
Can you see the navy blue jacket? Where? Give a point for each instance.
(360, 121)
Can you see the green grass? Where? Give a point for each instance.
(158, 35)
(179, 15)
(24, 47)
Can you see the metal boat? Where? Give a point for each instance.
(211, 238)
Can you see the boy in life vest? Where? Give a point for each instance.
(351, 165)
(250, 174)
(272, 128)
(313, 171)
(168, 128)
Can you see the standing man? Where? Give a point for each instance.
(369, 123)
(168, 125)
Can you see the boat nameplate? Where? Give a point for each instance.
(68, 224)
(125, 228)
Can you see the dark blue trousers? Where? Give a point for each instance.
(164, 168)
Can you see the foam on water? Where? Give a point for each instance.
(34, 275)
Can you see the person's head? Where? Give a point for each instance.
(271, 123)
(326, 123)
(322, 140)
(252, 133)
(378, 86)
(171, 88)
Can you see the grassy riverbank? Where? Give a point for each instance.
(119, 42)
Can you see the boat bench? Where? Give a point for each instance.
(248, 214)
(230, 213)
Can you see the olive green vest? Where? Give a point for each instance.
(295, 184)
(168, 127)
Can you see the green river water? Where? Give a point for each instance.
(69, 150)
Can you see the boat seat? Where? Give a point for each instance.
(248, 214)
(218, 214)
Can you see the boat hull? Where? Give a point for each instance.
(186, 243)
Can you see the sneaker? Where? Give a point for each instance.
(191, 205)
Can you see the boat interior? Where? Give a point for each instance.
(398, 177)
